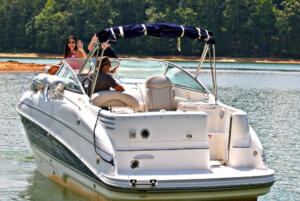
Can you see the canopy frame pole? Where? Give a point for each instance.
(97, 69)
(211, 70)
(215, 72)
(204, 52)
(91, 53)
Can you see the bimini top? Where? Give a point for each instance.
(164, 30)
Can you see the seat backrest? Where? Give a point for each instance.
(159, 94)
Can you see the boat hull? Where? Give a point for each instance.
(71, 179)
(58, 163)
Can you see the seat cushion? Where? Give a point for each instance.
(114, 99)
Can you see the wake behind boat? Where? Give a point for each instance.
(166, 137)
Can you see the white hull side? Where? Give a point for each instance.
(72, 179)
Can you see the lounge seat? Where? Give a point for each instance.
(114, 99)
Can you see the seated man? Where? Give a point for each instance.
(104, 80)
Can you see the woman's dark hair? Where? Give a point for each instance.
(67, 49)
(105, 61)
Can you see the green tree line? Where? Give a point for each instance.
(242, 28)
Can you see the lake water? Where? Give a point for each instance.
(269, 93)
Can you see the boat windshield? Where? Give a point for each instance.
(133, 69)
(68, 71)
(143, 69)
(182, 79)
(76, 64)
(140, 69)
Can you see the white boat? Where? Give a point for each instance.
(166, 137)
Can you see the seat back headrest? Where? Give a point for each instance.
(158, 82)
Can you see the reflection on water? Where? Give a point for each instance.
(270, 98)
(51, 191)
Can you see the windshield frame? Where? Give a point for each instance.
(164, 71)
(69, 67)
(190, 75)
(119, 60)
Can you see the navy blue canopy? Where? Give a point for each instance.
(164, 30)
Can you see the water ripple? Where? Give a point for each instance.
(270, 99)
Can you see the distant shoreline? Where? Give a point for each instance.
(173, 58)
(13, 66)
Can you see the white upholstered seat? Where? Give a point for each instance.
(159, 94)
(114, 99)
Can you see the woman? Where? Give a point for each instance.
(73, 49)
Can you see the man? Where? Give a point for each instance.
(104, 80)
(108, 50)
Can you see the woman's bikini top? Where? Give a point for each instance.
(73, 55)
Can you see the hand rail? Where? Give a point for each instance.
(91, 53)
(212, 62)
(215, 72)
(97, 69)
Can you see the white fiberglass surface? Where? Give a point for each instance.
(219, 172)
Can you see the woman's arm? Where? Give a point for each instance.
(80, 48)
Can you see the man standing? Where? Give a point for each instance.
(108, 50)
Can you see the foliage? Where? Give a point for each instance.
(248, 28)
(288, 26)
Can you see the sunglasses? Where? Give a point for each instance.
(106, 63)
(72, 42)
